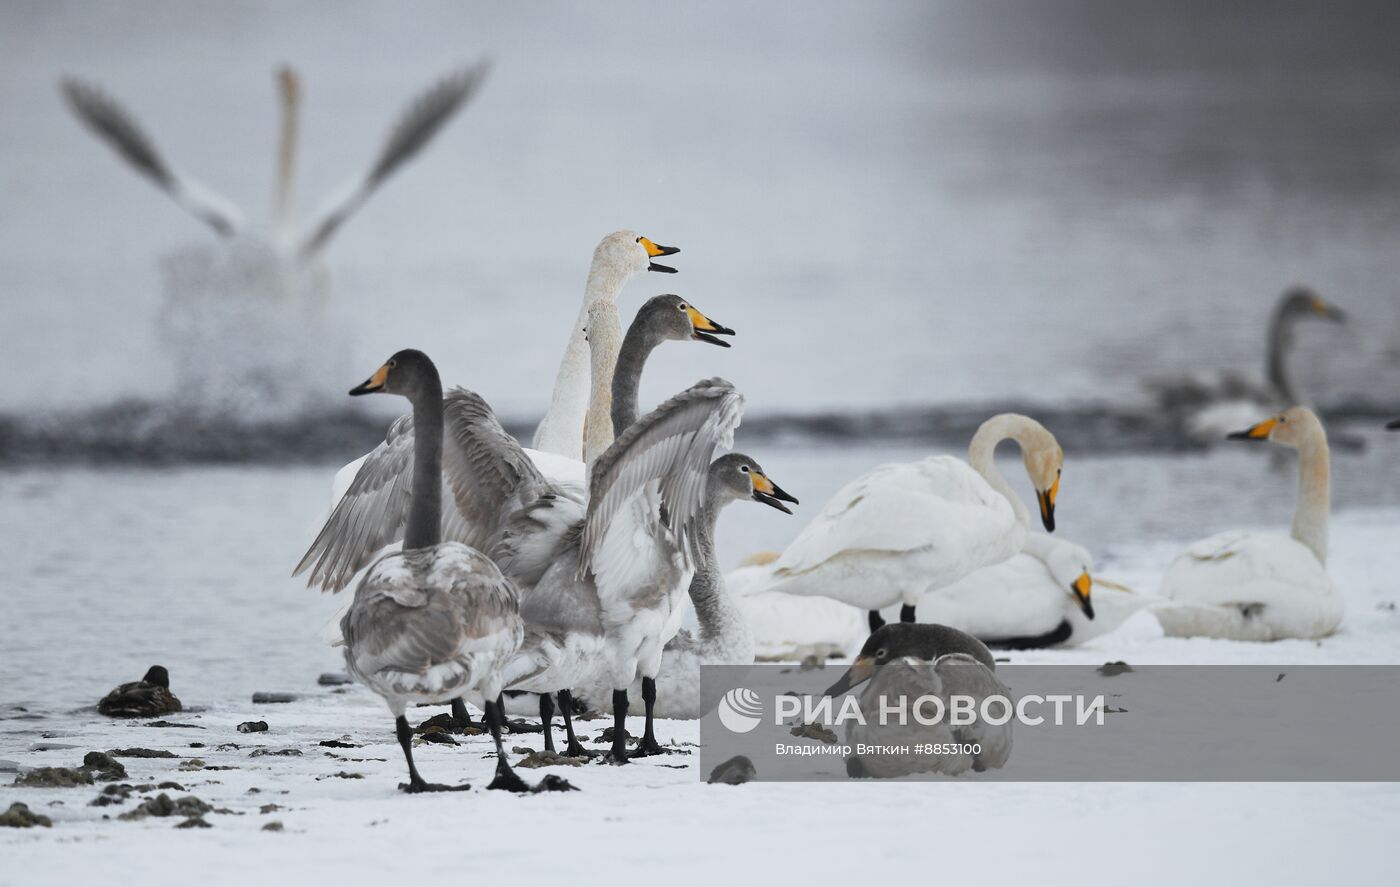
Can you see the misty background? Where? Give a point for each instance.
(893, 203)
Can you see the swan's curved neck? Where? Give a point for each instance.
(424, 525)
(1314, 494)
(561, 430)
(287, 148)
(604, 330)
(981, 455)
(1278, 373)
(627, 377)
(724, 632)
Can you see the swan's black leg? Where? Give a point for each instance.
(416, 782)
(618, 753)
(506, 779)
(906, 613)
(547, 720)
(649, 746)
(876, 620)
(575, 748)
(460, 713)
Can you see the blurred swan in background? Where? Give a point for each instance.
(1263, 586)
(237, 317)
(1212, 409)
(618, 258)
(899, 531)
(912, 662)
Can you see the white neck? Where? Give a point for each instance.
(604, 340)
(981, 454)
(1314, 492)
(561, 431)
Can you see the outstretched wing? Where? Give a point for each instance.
(668, 450)
(486, 478)
(428, 113)
(113, 124)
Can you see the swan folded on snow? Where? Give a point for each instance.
(1262, 586)
(722, 636)
(915, 661)
(894, 534)
(487, 477)
(1212, 410)
(618, 258)
(434, 622)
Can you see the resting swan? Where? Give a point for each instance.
(915, 661)
(371, 511)
(902, 530)
(618, 258)
(435, 621)
(723, 636)
(1261, 586)
(1212, 410)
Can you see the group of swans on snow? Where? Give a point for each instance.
(565, 569)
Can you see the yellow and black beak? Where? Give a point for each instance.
(655, 250)
(1256, 432)
(859, 672)
(1046, 498)
(702, 327)
(373, 383)
(1326, 310)
(1081, 588)
(769, 493)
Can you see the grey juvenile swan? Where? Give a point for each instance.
(918, 660)
(724, 637)
(436, 621)
(1210, 411)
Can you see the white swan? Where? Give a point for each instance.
(788, 627)
(1211, 410)
(1263, 586)
(903, 529)
(618, 258)
(256, 298)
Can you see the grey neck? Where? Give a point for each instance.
(1280, 344)
(424, 527)
(637, 346)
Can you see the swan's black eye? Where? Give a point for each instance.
(744, 468)
(393, 363)
(881, 653)
(1283, 418)
(681, 306)
(639, 240)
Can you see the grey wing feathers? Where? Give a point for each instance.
(671, 446)
(113, 124)
(486, 475)
(428, 113)
(369, 516)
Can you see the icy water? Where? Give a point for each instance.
(110, 571)
(894, 203)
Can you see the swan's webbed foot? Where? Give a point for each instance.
(552, 783)
(419, 786)
(649, 747)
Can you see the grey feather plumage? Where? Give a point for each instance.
(671, 448)
(487, 480)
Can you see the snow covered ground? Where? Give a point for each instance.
(113, 571)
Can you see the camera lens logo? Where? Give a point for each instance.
(740, 710)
